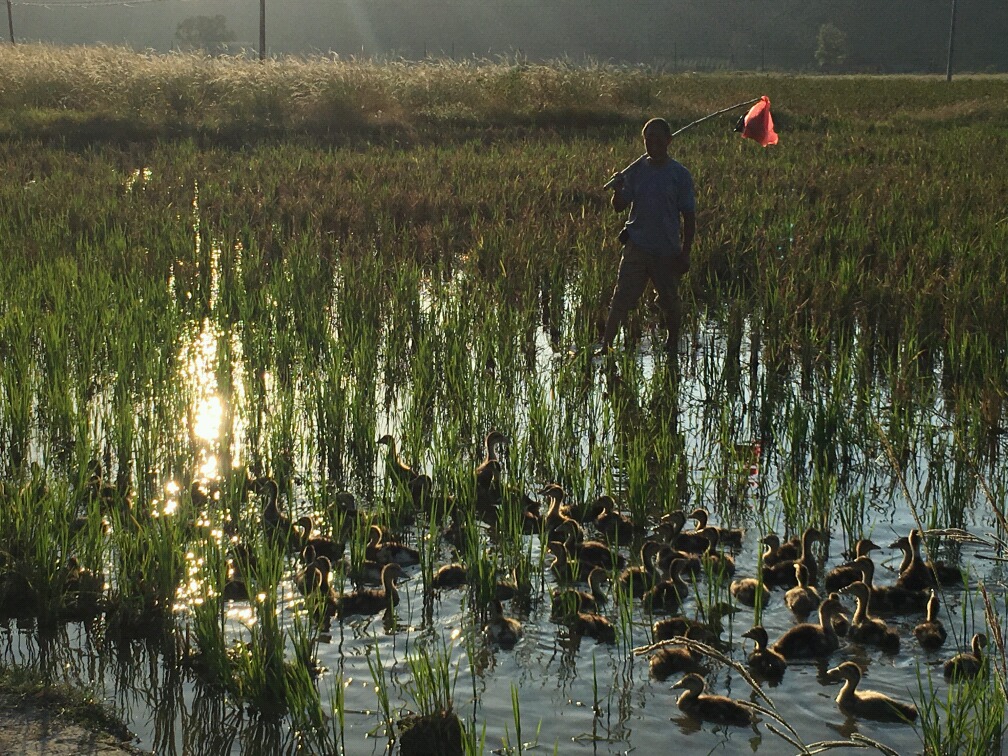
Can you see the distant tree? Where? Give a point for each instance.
(831, 48)
(208, 33)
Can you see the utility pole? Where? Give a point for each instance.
(262, 29)
(10, 21)
(948, 66)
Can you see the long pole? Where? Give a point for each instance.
(262, 29)
(10, 21)
(611, 181)
(951, 45)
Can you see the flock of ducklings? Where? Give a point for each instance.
(668, 553)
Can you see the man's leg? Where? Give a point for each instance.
(630, 283)
(666, 283)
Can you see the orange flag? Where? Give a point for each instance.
(757, 124)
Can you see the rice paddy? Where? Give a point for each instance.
(225, 282)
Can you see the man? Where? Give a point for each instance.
(656, 246)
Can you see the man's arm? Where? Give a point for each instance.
(619, 200)
(688, 230)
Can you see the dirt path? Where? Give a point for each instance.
(28, 728)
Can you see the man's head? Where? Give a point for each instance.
(657, 135)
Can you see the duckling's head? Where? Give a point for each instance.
(847, 670)
(493, 438)
(701, 516)
(801, 574)
(374, 535)
(553, 491)
(900, 543)
(858, 590)
(691, 682)
(712, 536)
(865, 546)
(866, 566)
(346, 502)
(771, 539)
(605, 503)
(978, 643)
(758, 635)
(391, 572)
(676, 520)
(386, 439)
(832, 604)
(915, 538)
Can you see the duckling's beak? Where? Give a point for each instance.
(895, 544)
(680, 684)
(833, 674)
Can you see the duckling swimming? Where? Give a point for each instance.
(845, 574)
(931, 632)
(808, 640)
(583, 601)
(782, 574)
(915, 573)
(454, 575)
(711, 708)
(371, 600)
(669, 660)
(802, 599)
(763, 661)
(640, 578)
(867, 629)
(726, 536)
(969, 664)
(745, 591)
(868, 704)
(504, 631)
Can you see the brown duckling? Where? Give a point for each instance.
(782, 574)
(931, 632)
(776, 552)
(803, 599)
(314, 576)
(745, 591)
(557, 513)
(812, 640)
(667, 595)
(718, 563)
(669, 660)
(565, 569)
(382, 549)
(279, 527)
(488, 471)
(711, 708)
(893, 599)
(671, 529)
(594, 553)
(584, 601)
(968, 664)
(591, 624)
(615, 526)
(763, 661)
(917, 574)
(504, 631)
(868, 704)
(454, 575)
(400, 473)
(371, 600)
(726, 536)
(845, 574)
(641, 578)
(867, 629)
(708, 632)
(322, 545)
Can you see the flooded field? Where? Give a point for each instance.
(201, 346)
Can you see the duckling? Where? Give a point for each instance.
(893, 599)
(564, 569)
(782, 574)
(669, 660)
(557, 513)
(591, 624)
(488, 472)
(777, 552)
(718, 563)
(640, 578)
(504, 631)
(917, 574)
(727, 536)
(931, 632)
(668, 594)
(808, 640)
(314, 576)
(764, 662)
(711, 708)
(968, 664)
(616, 527)
(845, 574)
(381, 549)
(583, 600)
(279, 527)
(321, 545)
(869, 704)
(802, 599)
(400, 473)
(671, 529)
(745, 591)
(867, 629)
(708, 632)
(371, 600)
(449, 576)
(594, 553)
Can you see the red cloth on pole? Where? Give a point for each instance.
(759, 123)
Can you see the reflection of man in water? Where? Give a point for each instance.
(656, 247)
